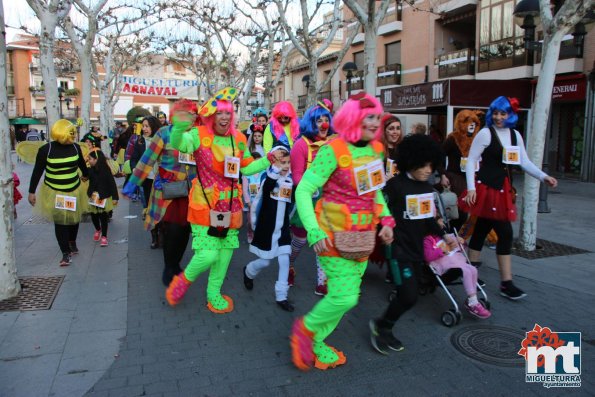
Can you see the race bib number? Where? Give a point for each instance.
(511, 155)
(186, 158)
(232, 167)
(369, 177)
(253, 189)
(391, 167)
(420, 206)
(95, 201)
(464, 164)
(67, 203)
(283, 194)
(443, 245)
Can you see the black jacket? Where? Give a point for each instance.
(102, 181)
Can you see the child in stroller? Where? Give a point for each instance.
(442, 257)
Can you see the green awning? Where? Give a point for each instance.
(25, 121)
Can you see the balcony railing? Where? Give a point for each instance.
(567, 51)
(389, 75)
(302, 100)
(502, 55)
(357, 81)
(456, 63)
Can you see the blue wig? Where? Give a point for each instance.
(502, 104)
(308, 127)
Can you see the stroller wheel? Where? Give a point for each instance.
(392, 295)
(449, 318)
(485, 303)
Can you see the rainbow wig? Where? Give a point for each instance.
(285, 108)
(348, 119)
(222, 106)
(308, 127)
(503, 104)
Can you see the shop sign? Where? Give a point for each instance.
(416, 96)
(569, 90)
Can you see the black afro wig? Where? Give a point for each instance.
(416, 150)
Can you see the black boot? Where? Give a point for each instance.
(154, 238)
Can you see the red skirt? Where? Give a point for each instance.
(494, 204)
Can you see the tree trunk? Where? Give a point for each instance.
(9, 282)
(536, 138)
(370, 72)
(48, 71)
(86, 90)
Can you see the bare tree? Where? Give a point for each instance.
(555, 27)
(9, 282)
(117, 52)
(312, 42)
(50, 15)
(371, 17)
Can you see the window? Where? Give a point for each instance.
(64, 85)
(500, 41)
(392, 53)
(358, 58)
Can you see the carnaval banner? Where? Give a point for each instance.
(156, 87)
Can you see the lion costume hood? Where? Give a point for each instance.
(462, 134)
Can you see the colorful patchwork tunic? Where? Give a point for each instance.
(161, 153)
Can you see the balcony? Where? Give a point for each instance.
(456, 6)
(357, 81)
(456, 63)
(503, 54)
(302, 100)
(391, 23)
(389, 75)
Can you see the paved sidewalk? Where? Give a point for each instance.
(65, 350)
(111, 333)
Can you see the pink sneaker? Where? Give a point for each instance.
(477, 310)
(177, 289)
(103, 242)
(96, 235)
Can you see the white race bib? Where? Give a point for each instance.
(420, 206)
(511, 155)
(369, 177)
(67, 203)
(283, 193)
(95, 201)
(391, 167)
(464, 164)
(186, 158)
(232, 167)
(253, 189)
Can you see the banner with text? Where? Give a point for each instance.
(156, 87)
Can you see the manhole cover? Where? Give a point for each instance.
(490, 344)
(37, 293)
(36, 220)
(547, 249)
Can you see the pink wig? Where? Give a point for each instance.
(222, 106)
(285, 108)
(348, 120)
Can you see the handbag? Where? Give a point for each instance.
(175, 189)
(449, 200)
(353, 245)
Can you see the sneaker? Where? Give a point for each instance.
(65, 261)
(248, 282)
(321, 290)
(477, 310)
(286, 305)
(291, 277)
(97, 235)
(382, 338)
(103, 242)
(73, 248)
(510, 291)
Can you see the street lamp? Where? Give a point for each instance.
(60, 98)
(349, 68)
(306, 81)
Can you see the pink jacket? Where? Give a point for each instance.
(431, 251)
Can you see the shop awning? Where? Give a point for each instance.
(25, 121)
(421, 98)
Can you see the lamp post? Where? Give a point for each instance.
(61, 98)
(306, 82)
(349, 68)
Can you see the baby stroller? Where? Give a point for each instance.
(431, 279)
